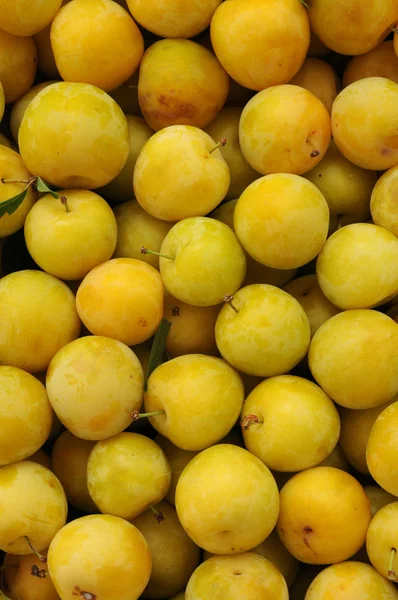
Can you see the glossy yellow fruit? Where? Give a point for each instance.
(181, 83)
(379, 62)
(18, 60)
(25, 18)
(123, 299)
(174, 555)
(88, 145)
(319, 78)
(25, 415)
(31, 303)
(363, 118)
(101, 556)
(381, 450)
(324, 515)
(19, 108)
(378, 497)
(381, 540)
(18, 581)
(383, 203)
(94, 384)
(178, 163)
(37, 515)
(280, 34)
(282, 220)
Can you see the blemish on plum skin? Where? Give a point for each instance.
(385, 151)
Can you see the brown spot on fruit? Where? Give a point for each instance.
(142, 322)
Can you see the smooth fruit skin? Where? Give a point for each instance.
(381, 452)
(298, 424)
(363, 123)
(86, 147)
(227, 500)
(101, 555)
(383, 202)
(351, 580)
(126, 473)
(94, 384)
(284, 129)
(19, 108)
(19, 583)
(353, 357)
(282, 220)
(181, 83)
(69, 244)
(352, 28)
(24, 18)
(123, 299)
(269, 335)
(175, 164)
(279, 33)
(247, 576)
(25, 415)
(379, 62)
(31, 303)
(174, 555)
(324, 515)
(202, 397)
(32, 504)
(319, 78)
(17, 55)
(96, 42)
(382, 538)
(357, 267)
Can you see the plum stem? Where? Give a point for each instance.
(391, 573)
(25, 181)
(174, 309)
(229, 300)
(64, 201)
(157, 514)
(41, 557)
(137, 415)
(144, 250)
(221, 143)
(249, 420)
(314, 152)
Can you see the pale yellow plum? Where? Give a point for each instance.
(174, 19)
(18, 60)
(324, 515)
(381, 541)
(319, 78)
(123, 299)
(41, 458)
(126, 473)
(99, 556)
(69, 463)
(19, 583)
(317, 307)
(201, 396)
(19, 108)
(381, 450)
(94, 384)
(174, 554)
(247, 575)
(181, 83)
(208, 262)
(289, 423)
(282, 220)
(85, 31)
(126, 96)
(364, 117)
(32, 505)
(280, 35)
(180, 173)
(226, 125)
(379, 62)
(87, 145)
(25, 18)
(25, 415)
(336, 459)
(284, 129)
(45, 55)
(353, 356)
(178, 460)
(384, 200)
(346, 187)
(38, 318)
(352, 28)
(12, 168)
(227, 500)
(358, 266)
(351, 580)
(378, 497)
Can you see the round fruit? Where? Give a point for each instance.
(379, 62)
(319, 78)
(19, 108)
(18, 582)
(383, 202)
(381, 452)
(24, 18)
(18, 60)
(381, 541)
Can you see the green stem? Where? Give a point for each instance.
(144, 250)
(221, 143)
(64, 201)
(157, 514)
(41, 557)
(137, 415)
(228, 300)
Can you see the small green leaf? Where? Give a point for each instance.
(158, 347)
(12, 204)
(43, 187)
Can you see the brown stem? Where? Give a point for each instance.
(391, 573)
(144, 250)
(174, 309)
(248, 421)
(64, 201)
(137, 415)
(314, 152)
(41, 557)
(157, 514)
(228, 300)
(221, 143)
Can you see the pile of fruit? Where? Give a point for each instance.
(199, 299)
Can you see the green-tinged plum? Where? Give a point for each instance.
(381, 450)
(381, 541)
(383, 202)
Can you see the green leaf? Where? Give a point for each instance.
(12, 204)
(158, 347)
(43, 187)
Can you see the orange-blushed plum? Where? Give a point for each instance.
(319, 78)
(381, 452)
(13, 169)
(378, 497)
(33, 302)
(178, 460)
(18, 581)
(180, 173)
(26, 415)
(227, 476)
(19, 108)
(379, 62)
(358, 266)
(24, 18)
(381, 541)
(247, 575)
(94, 384)
(284, 129)
(363, 123)
(33, 507)
(99, 556)
(383, 202)
(181, 82)
(17, 55)
(123, 299)
(353, 357)
(88, 144)
(69, 463)
(174, 554)
(280, 34)
(324, 515)
(199, 397)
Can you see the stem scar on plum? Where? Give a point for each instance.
(249, 420)
(391, 572)
(35, 571)
(85, 595)
(314, 152)
(157, 514)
